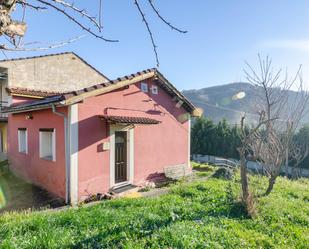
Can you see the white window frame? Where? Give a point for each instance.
(154, 90)
(20, 150)
(53, 149)
(144, 87)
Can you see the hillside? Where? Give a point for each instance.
(199, 214)
(221, 101)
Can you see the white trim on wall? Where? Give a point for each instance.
(43, 144)
(130, 155)
(189, 141)
(22, 148)
(73, 141)
(144, 87)
(54, 145)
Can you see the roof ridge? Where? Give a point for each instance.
(103, 84)
(67, 94)
(37, 56)
(78, 95)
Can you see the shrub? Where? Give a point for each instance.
(224, 173)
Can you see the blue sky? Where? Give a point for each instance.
(221, 36)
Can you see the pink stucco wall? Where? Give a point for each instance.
(48, 174)
(155, 146)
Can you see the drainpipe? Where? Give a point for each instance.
(67, 150)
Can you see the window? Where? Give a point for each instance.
(48, 144)
(22, 140)
(154, 90)
(144, 87)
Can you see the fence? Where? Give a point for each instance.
(231, 162)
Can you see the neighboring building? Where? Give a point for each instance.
(105, 136)
(45, 75)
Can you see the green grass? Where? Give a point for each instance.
(3, 163)
(192, 215)
(203, 169)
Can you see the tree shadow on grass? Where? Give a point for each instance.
(236, 211)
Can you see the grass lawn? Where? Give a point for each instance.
(193, 215)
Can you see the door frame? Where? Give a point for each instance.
(130, 155)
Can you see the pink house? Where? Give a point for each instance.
(102, 137)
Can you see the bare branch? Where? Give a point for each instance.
(82, 26)
(35, 7)
(149, 31)
(100, 15)
(279, 117)
(164, 20)
(14, 30)
(82, 12)
(51, 46)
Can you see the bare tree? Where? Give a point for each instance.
(14, 30)
(298, 153)
(247, 136)
(279, 117)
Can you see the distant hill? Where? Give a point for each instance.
(229, 101)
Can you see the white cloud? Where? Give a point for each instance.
(292, 44)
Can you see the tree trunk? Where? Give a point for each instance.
(243, 175)
(287, 162)
(8, 26)
(294, 172)
(271, 184)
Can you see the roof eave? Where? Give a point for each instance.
(75, 97)
(27, 96)
(14, 110)
(116, 85)
(178, 94)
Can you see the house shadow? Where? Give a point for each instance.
(93, 131)
(19, 195)
(159, 179)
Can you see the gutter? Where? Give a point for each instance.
(29, 107)
(67, 150)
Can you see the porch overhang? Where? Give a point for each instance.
(129, 120)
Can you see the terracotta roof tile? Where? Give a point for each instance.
(31, 92)
(162, 81)
(105, 84)
(130, 120)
